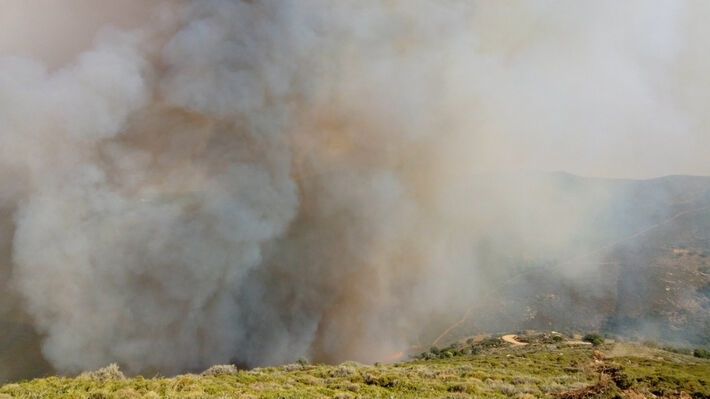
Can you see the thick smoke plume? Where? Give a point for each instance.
(256, 181)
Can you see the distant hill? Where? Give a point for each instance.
(640, 267)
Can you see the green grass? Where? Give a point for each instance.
(535, 370)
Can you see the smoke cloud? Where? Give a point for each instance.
(256, 181)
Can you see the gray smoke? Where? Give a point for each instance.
(256, 181)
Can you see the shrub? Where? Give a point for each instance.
(594, 339)
(353, 387)
(462, 387)
(342, 371)
(502, 387)
(385, 380)
(127, 393)
(98, 395)
(617, 375)
(220, 369)
(429, 356)
(553, 388)
(465, 368)
(524, 379)
(491, 343)
(292, 367)
(702, 353)
(682, 351)
(110, 372)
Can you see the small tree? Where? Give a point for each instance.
(110, 372)
(220, 369)
(594, 339)
(702, 353)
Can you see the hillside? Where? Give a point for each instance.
(549, 366)
(639, 266)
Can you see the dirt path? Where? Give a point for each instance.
(512, 339)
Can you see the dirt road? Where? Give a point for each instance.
(512, 339)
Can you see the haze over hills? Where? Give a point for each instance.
(642, 268)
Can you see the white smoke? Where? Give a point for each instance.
(132, 230)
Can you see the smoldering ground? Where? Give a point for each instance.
(257, 181)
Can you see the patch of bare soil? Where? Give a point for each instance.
(512, 339)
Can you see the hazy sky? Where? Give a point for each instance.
(56, 31)
(599, 88)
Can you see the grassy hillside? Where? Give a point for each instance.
(491, 368)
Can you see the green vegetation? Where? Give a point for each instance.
(496, 370)
(683, 351)
(594, 339)
(702, 353)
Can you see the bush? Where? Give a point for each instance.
(553, 388)
(594, 339)
(127, 393)
(702, 353)
(491, 343)
(99, 395)
(524, 379)
(385, 380)
(682, 351)
(292, 367)
(110, 372)
(503, 387)
(220, 369)
(342, 371)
